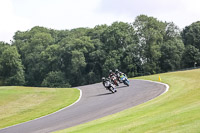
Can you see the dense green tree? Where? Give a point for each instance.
(191, 56)
(97, 31)
(171, 51)
(172, 32)
(131, 61)
(112, 61)
(51, 60)
(96, 57)
(55, 79)
(75, 56)
(30, 45)
(60, 58)
(151, 33)
(11, 67)
(118, 36)
(191, 35)
(116, 40)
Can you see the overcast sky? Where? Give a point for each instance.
(68, 14)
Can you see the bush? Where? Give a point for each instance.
(55, 79)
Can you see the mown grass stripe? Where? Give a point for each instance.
(21, 104)
(176, 112)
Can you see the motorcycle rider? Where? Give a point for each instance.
(118, 74)
(113, 77)
(111, 73)
(104, 80)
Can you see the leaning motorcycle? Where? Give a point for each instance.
(124, 79)
(118, 78)
(114, 80)
(108, 85)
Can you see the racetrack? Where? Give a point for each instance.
(95, 103)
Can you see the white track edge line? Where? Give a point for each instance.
(167, 86)
(48, 114)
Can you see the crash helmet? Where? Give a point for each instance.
(116, 70)
(103, 78)
(110, 71)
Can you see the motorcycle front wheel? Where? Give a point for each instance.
(112, 89)
(126, 83)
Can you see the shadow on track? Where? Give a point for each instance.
(124, 86)
(118, 87)
(104, 94)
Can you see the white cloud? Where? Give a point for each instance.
(68, 14)
(61, 14)
(10, 23)
(181, 12)
(192, 6)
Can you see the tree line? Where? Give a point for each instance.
(64, 58)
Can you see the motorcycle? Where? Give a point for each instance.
(124, 79)
(118, 78)
(114, 80)
(108, 85)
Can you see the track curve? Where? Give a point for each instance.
(95, 103)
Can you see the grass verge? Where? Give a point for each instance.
(20, 104)
(175, 111)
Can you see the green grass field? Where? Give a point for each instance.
(177, 111)
(20, 104)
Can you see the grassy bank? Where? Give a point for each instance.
(20, 104)
(175, 111)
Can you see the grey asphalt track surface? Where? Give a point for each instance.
(96, 102)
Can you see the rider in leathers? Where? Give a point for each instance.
(107, 79)
(112, 74)
(118, 74)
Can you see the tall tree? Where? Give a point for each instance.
(31, 44)
(116, 40)
(171, 55)
(172, 48)
(75, 55)
(11, 67)
(97, 57)
(151, 33)
(191, 35)
(191, 56)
